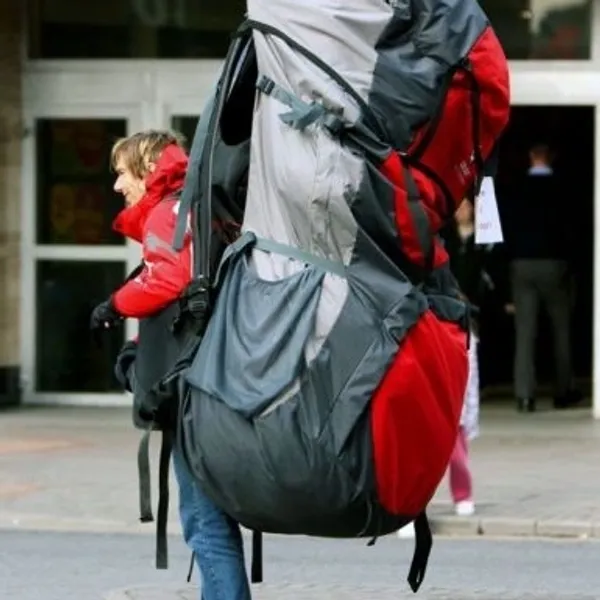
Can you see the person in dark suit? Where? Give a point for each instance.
(538, 245)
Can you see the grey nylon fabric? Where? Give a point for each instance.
(291, 454)
(426, 37)
(262, 325)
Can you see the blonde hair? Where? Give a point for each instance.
(137, 151)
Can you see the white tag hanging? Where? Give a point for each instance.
(488, 229)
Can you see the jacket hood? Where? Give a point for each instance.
(166, 179)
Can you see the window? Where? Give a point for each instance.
(75, 201)
(132, 28)
(68, 357)
(186, 125)
(542, 29)
(79, 260)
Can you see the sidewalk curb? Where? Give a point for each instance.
(514, 527)
(329, 591)
(153, 592)
(447, 526)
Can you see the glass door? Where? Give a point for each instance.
(72, 259)
(185, 124)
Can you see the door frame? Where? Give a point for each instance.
(144, 93)
(31, 251)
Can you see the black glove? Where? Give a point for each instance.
(124, 361)
(104, 316)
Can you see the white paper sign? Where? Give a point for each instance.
(487, 219)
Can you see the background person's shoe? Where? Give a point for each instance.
(407, 532)
(568, 400)
(526, 405)
(465, 508)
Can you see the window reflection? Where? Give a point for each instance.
(75, 200)
(68, 358)
(542, 29)
(529, 29)
(186, 125)
(132, 28)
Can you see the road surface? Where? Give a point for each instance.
(82, 566)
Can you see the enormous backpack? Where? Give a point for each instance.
(325, 395)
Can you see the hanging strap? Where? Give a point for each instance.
(256, 568)
(145, 499)
(423, 543)
(145, 493)
(166, 448)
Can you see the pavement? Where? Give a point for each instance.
(84, 566)
(338, 592)
(74, 470)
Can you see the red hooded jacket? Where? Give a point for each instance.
(152, 222)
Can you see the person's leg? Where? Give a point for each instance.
(470, 412)
(526, 301)
(461, 484)
(214, 537)
(554, 286)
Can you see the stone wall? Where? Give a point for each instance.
(11, 135)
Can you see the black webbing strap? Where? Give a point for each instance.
(419, 216)
(423, 543)
(145, 493)
(256, 569)
(145, 497)
(162, 516)
(191, 569)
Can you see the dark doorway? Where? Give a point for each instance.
(570, 133)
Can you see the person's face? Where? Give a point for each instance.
(131, 187)
(464, 213)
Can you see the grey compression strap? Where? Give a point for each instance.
(303, 114)
(249, 240)
(331, 266)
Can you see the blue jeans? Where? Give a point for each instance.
(214, 537)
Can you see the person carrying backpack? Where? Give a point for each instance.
(151, 168)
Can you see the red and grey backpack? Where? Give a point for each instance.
(324, 392)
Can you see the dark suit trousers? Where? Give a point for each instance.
(536, 281)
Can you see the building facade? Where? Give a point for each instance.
(75, 75)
